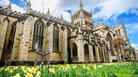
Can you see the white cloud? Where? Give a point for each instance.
(113, 8)
(14, 7)
(66, 16)
(132, 28)
(4, 3)
(17, 8)
(53, 5)
(135, 45)
(109, 8)
(43, 5)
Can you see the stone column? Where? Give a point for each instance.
(97, 54)
(4, 26)
(65, 45)
(24, 47)
(17, 40)
(109, 51)
(50, 41)
(119, 54)
(80, 48)
(105, 54)
(103, 50)
(91, 53)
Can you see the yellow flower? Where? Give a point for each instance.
(28, 75)
(7, 68)
(17, 75)
(11, 70)
(32, 70)
(38, 74)
(94, 66)
(23, 69)
(52, 70)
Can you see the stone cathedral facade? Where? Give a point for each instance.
(33, 36)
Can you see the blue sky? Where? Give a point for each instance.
(107, 11)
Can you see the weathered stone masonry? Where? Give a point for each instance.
(30, 36)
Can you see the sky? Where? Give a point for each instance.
(108, 11)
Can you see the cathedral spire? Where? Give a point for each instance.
(28, 10)
(81, 5)
(81, 13)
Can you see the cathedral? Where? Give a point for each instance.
(35, 36)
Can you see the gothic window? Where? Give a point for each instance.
(86, 50)
(38, 35)
(55, 38)
(11, 38)
(74, 50)
(109, 39)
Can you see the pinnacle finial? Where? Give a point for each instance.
(28, 3)
(48, 11)
(9, 5)
(81, 4)
(61, 16)
(9, 8)
(28, 10)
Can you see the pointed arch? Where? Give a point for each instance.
(38, 35)
(55, 38)
(109, 38)
(86, 52)
(74, 50)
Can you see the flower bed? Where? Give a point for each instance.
(72, 70)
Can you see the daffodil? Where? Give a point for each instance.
(38, 74)
(52, 70)
(23, 69)
(17, 75)
(33, 70)
(28, 75)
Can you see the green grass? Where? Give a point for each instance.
(73, 70)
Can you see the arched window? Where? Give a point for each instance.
(55, 38)
(74, 50)
(38, 35)
(11, 39)
(109, 38)
(86, 52)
